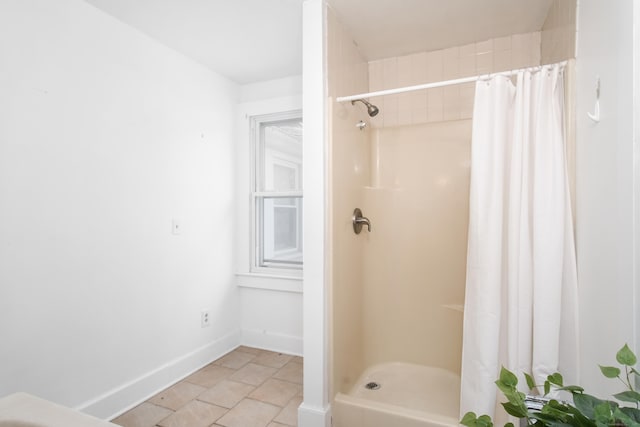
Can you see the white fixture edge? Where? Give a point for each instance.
(310, 416)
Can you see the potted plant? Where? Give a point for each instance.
(585, 410)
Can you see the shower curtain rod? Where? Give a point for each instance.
(442, 83)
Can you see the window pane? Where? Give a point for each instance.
(277, 190)
(285, 233)
(281, 230)
(280, 160)
(285, 177)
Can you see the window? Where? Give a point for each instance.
(277, 191)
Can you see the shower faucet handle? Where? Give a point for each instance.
(359, 220)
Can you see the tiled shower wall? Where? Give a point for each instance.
(558, 41)
(447, 103)
(346, 67)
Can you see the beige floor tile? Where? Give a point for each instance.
(226, 393)
(177, 395)
(229, 382)
(194, 414)
(253, 374)
(143, 415)
(291, 372)
(271, 359)
(210, 375)
(276, 392)
(235, 360)
(289, 415)
(249, 350)
(249, 413)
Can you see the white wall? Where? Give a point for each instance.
(272, 319)
(605, 188)
(271, 315)
(272, 89)
(105, 136)
(315, 411)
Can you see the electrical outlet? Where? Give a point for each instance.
(205, 318)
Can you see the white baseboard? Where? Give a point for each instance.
(281, 343)
(121, 399)
(311, 416)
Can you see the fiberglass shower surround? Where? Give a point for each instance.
(540, 331)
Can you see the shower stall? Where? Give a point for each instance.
(409, 320)
(397, 291)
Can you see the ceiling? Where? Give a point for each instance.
(257, 40)
(385, 28)
(244, 40)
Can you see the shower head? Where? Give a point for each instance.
(371, 109)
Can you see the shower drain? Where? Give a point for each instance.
(372, 385)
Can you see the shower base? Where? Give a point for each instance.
(408, 395)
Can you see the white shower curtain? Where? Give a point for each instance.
(521, 291)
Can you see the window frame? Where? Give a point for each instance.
(256, 195)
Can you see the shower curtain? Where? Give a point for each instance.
(521, 291)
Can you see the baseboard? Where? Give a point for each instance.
(281, 343)
(121, 399)
(311, 416)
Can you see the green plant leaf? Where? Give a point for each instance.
(626, 357)
(519, 411)
(586, 410)
(602, 413)
(628, 421)
(585, 403)
(558, 424)
(579, 420)
(564, 420)
(553, 403)
(511, 393)
(555, 379)
(610, 371)
(469, 419)
(507, 377)
(545, 419)
(572, 389)
(632, 413)
(628, 396)
(508, 390)
(484, 421)
(557, 412)
(530, 382)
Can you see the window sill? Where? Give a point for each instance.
(269, 282)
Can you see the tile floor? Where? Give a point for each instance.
(245, 388)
